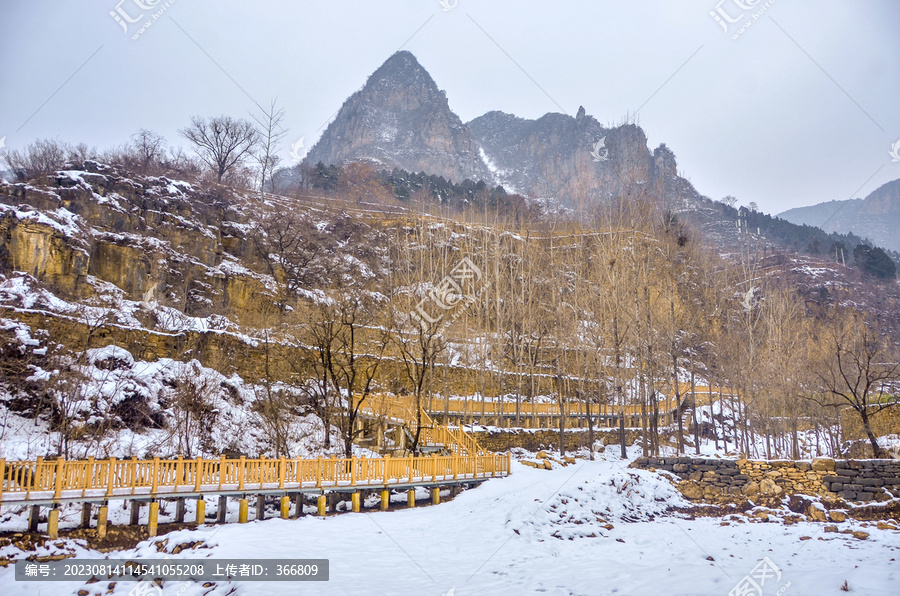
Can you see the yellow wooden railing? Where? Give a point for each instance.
(109, 478)
(461, 407)
(403, 409)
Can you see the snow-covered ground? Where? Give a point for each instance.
(588, 528)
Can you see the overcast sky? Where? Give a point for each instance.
(802, 107)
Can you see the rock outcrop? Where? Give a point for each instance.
(401, 119)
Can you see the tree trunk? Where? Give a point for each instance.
(877, 452)
(590, 421)
(645, 447)
(712, 417)
(562, 415)
(694, 411)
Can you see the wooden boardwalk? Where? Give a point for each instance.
(463, 411)
(53, 482)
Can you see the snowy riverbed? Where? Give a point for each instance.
(588, 528)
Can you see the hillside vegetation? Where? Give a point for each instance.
(293, 303)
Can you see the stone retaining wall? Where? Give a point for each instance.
(503, 440)
(851, 480)
(885, 422)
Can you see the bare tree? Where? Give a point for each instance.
(271, 134)
(192, 409)
(292, 244)
(355, 356)
(222, 142)
(859, 370)
(149, 148)
(40, 158)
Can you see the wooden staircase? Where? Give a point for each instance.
(434, 438)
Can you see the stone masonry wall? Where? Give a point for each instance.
(536, 440)
(851, 480)
(885, 422)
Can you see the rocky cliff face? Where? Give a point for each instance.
(875, 218)
(153, 238)
(576, 158)
(401, 119)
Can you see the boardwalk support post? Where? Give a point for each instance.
(135, 513)
(153, 518)
(436, 495)
(102, 517)
(53, 522)
(354, 500)
(320, 505)
(243, 508)
(86, 515)
(221, 509)
(285, 507)
(179, 510)
(411, 497)
(298, 504)
(260, 506)
(200, 515)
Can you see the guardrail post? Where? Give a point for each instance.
(319, 472)
(179, 471)
(2, 476)
(60, 475)
(112, 476)
(221, 470)
(386, 464)
(198, 475)
(353, 471)
(241, 472)
(88, 477)
(134, 472)
(36, 479)
(154, 483)
(282, 472)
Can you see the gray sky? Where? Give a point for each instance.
(802, 107)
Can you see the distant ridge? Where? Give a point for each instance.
(875, 218)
